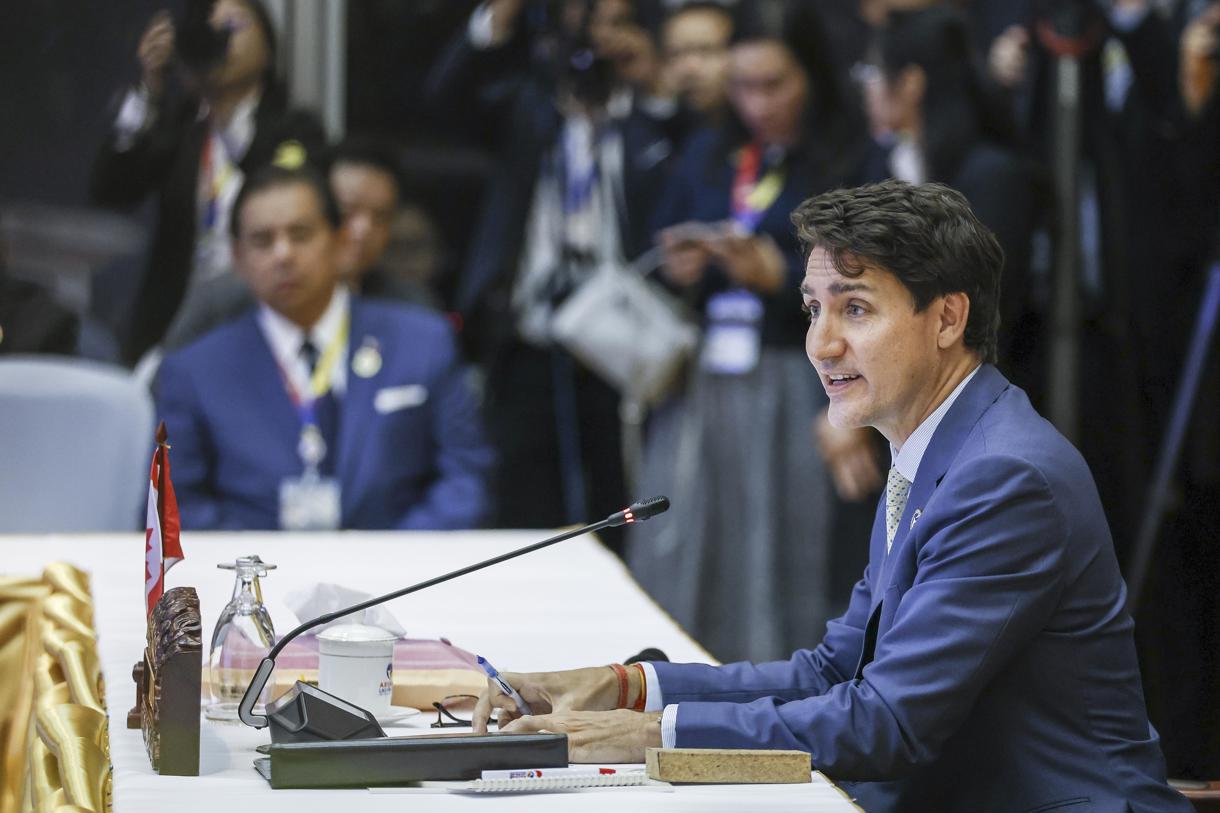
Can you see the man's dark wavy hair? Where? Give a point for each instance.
(925, 235)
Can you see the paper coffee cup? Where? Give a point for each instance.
(356, 663)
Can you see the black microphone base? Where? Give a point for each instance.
(395, 761)
(307, 714)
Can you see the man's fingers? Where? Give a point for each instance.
(506, 716)
(492, 698)
(482, 713)
(864, 466)
(526, 724)
(854, 486)
(850, 485)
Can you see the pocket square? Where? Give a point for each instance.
(392, 399)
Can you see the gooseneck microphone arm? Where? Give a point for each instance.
(636, 512)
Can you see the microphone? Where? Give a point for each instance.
(306, 713)
(639, 511)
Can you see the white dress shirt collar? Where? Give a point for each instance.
(286, 337)
(907, 161)
(238, 134)
(907, 459)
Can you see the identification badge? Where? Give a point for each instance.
(310, 503)
(732, 341)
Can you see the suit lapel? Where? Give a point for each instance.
(266, 385)
(979, 394)
(353, 413)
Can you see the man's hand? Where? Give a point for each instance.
(851, 458)
(155, 52)
(752, 261)
(598, 736)
(504, 14)
(1009, 56)
(1198, 64)
(684, 253)
(592, 689)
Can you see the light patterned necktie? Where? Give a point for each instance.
(897, 490)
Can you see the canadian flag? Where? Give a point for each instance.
(162, 549)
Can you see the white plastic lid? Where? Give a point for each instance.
(360, 640)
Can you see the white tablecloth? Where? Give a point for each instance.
(567, 606)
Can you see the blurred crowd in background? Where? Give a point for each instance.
(497, 157)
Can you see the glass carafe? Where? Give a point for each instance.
(241, 639)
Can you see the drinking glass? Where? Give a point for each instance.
(242, 638)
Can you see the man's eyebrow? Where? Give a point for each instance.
(847, 287)
(838, 288)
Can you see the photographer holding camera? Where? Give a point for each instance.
(572, 91)
(207, 111)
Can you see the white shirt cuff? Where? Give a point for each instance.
(134, 116)
(652, 698)
(669, 726)
(481, 31)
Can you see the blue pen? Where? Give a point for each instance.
(522, 706)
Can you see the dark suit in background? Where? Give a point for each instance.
(164, 162)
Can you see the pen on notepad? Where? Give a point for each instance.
(522, 706)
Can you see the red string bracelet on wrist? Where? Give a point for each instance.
(621, 673)
(642, 700)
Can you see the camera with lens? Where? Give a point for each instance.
(201, 47)
(564, 46)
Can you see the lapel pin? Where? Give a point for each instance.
(366, 362)
(915, 517)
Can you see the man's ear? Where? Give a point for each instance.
(954, 313)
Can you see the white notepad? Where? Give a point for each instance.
(525, 784)
(536, 784)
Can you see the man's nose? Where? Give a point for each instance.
(282, 248)
(358, 225)
(824, 340)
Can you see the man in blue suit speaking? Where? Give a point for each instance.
(319, 410)
(985, 662)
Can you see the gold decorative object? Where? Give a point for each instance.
(53, 730)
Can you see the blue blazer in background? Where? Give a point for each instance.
(411, 452)
(985, 664)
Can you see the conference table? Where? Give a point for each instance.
(567, 606)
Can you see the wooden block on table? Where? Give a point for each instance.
(727, 766)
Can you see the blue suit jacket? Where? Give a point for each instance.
(985, 664)
(234, 429)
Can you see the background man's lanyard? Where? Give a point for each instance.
(753, 196)
(312, 446)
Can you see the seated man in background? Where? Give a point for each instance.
(319, 409)
(368, 187)
(986, 661)
(365, 181)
